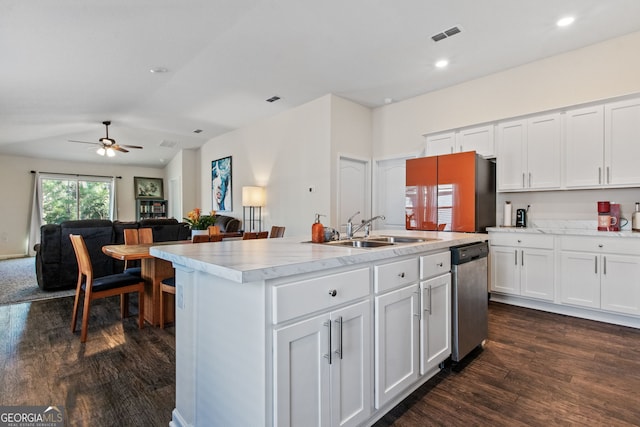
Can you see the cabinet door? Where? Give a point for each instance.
(511, 155)
(301, 374)
(505, 274)
(479, 139)
(580, 278)
(443, 143)
(435, 322)
(544, 140)
(621, 284)
(396, 342)
(537, 273)
(351, 391)
(584, 147)
(622, 150)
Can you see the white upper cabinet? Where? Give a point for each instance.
(442, 143)
(622, 143)
(479, 139)
(529, 153)
(584, 147)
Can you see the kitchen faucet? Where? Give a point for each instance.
(365, 224)
(350, 225)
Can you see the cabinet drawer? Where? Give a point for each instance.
(435, 265)
(613, 244)
(394, 274)
(308, 296)
(541, 241)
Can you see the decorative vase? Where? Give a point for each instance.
(199, 232)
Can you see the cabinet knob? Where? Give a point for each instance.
(600, 245)
(519, 241)
(439, 264)
(333, 292)
(401, 274)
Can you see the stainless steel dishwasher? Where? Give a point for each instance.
(469, 298)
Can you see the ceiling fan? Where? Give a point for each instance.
(108, 145)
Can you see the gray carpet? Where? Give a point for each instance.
(18, 282)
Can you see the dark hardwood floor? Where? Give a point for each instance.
(536, 369)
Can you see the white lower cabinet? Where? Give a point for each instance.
(323, 369)
(523, 265)
(593, 275)
(397, 342)
(435, 322)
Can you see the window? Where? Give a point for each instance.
(77, 197)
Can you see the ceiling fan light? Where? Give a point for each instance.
(101, 151)
(110, 152)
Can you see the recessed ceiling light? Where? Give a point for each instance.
(566, 21)
(158, 70)
(388, 100)
(442, 63)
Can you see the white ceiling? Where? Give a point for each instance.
(68, 65)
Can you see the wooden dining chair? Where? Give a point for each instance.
(91, 288)
(145, 236)
(276, 231)
(213, 230)
(131, 238)
(167, 286)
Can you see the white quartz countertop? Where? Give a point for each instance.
(565, 231)
(246, 261)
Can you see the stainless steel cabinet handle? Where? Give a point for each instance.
(333, 292)
(608, 176)
(339, 350)
(522, 258)
(529, 179)
(595, 263)
(328, 355)
(522, 179)
(600, 175)
(430, 307)
(461, 150)
(515, 262)
(604, 265)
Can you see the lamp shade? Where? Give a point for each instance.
(252, 196)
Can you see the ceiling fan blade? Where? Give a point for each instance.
(85, 142)
(119, 148)
(132, 146)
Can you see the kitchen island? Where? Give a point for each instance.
(284, 332)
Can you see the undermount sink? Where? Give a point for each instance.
(399, 239)
(360, 243)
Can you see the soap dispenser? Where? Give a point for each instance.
(317, 230)
(635, 219)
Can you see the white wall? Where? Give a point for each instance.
(286, 154)
(184, 168)
(16, 192)
(601, 71)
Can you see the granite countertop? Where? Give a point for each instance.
(245, 261)
(566, 227)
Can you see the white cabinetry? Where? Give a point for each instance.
(478, 138)
(529, 153)
(584, 147)
(322, 365)
(522, 264)
(601, 273)
(397, 326)
(622, 148)
(435, 314)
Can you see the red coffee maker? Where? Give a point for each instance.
(604, 216)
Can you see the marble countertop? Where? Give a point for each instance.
(566, 227)
(245, 261)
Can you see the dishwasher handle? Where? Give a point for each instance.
(469, 253)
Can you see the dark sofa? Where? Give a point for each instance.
(56, 266)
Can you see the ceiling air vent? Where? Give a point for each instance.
(445, 34)
(197, 131)
(273, 99)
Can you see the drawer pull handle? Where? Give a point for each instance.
(401, 274)
(333, 292)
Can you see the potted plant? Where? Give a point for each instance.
(198, 222)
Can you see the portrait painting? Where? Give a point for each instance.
(221, 184)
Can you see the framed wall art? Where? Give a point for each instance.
(221, 179)
(148, 188)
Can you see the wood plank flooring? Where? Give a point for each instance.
(536, 369)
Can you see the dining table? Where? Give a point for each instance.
(153, 271)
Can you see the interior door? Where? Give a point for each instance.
(389, 196)
(354, 190)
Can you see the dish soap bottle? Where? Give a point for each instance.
(635, 219)
(317, 230)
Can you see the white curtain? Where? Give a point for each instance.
(36, 219)
(113, 206)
